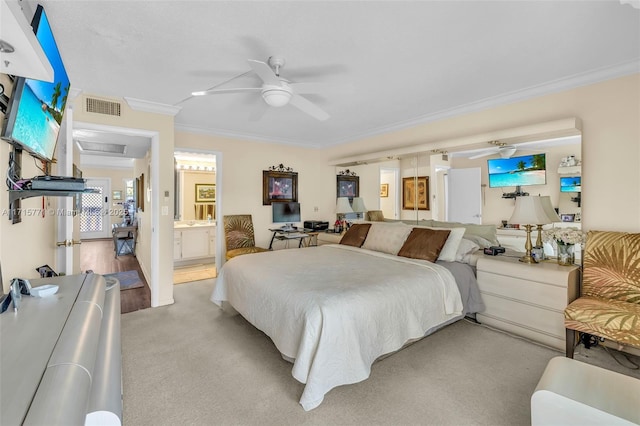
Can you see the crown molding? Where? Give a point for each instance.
(568, 83)
(153, 107)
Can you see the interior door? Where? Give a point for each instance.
(66, 260)
(94, 218)
(464, 195)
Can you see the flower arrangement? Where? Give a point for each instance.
(564, 235)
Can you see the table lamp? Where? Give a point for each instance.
(358, 206)
(528, 212)
(342, 208)
(551, 215)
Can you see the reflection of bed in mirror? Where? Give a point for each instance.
(333, 310)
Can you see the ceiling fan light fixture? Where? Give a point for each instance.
(276, 97)
(507, 151)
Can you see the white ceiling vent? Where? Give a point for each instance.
(100, 106)
(98, 147)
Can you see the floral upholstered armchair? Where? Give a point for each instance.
(609, 304)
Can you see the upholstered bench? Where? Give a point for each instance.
(572, 392)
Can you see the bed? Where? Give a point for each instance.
(333, 310)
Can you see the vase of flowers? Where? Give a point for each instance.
(565, 239)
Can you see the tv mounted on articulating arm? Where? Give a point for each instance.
(36, 108)
(517, 171)
(34, 114)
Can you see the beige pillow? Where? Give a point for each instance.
(424, 243)
(356, 235)
(488, 232)
(386, 237)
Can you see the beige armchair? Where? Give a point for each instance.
(239, 235)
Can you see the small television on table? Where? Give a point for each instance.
(35, 112)
(285, 212)
(570, 184)
(517, 171)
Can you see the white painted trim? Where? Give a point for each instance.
(153, 107)
(556, 128)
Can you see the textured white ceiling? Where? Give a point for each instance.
(409, 62)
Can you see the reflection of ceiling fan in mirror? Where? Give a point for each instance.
(505, 150)
(277, 91)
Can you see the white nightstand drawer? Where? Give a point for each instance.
(528, 291)
(524, 315)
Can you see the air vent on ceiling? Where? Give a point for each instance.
(100, 106)
(111, 148)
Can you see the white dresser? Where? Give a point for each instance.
(527, 300)
(60, 359)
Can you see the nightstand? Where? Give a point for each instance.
(527, 300)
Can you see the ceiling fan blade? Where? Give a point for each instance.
(265, 72)
(483, 154)
(308, 107)
(235, 90)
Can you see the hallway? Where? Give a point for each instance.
(98, 256)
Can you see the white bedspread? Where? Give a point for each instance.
(334, 309)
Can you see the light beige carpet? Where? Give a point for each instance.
(193, 273)
(191, 364)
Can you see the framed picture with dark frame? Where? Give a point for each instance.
(348, 186)
(415, 193)
(205, 192)
(279, 186)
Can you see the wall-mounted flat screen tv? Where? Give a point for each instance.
(570, 184)
(284, 212)
(35, 113)
(517, 171)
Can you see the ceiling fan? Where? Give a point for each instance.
(505, 150)
(277, 91)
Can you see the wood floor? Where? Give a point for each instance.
(98, 256)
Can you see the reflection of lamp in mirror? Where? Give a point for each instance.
(358, 207)
(342, 208)
(552, 216)
(529, 211)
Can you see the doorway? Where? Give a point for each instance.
(197, 227)
(389, 193)
(94, 219)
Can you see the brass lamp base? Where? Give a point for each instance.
(528, 258)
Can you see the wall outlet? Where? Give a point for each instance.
(165, 210)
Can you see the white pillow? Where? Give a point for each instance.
(448, 253)
(386, 237)
(465, 248)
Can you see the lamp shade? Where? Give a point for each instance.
(529, 211)
(343, 206)
(549, 210)
(358, 205)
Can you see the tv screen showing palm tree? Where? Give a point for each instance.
(517, 171)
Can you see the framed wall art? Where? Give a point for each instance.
(205, 192)
(415, 193)
(348, 186)
(279, 186)
(384, 190)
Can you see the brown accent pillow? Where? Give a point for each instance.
(424, 243)
(356, 235)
